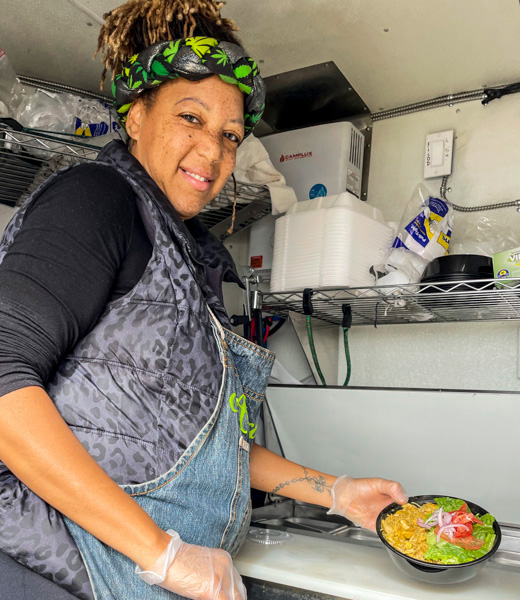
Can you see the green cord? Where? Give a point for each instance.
(313, 350)
(347, 356)
(315, 356)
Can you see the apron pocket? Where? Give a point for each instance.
(242, 532)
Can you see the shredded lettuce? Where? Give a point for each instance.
(449, 504)
(449, 554)
(482, 531)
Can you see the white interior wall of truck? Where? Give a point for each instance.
(474, 356)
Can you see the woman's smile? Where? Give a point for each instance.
(197, 178)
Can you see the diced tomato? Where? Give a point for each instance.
(469, 542)
(463, 530)
(463, 509)
(459, 517)
(465, 540)
(465, 520)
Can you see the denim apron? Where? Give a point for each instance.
(205, 496)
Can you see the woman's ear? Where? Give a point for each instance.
(135, 119)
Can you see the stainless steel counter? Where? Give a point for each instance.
(307, 519)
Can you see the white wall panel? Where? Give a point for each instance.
(459, 444)
(486, 169)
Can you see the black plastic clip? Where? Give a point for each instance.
(307, 304)
(346, 322)
(237, 320)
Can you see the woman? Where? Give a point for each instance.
(128, 409)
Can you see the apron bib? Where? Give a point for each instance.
(205, 496)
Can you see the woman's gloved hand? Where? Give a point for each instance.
(361, 500)
(195, 572)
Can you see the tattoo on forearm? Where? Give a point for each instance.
(317, 483)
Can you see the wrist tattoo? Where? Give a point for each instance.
(318, 482)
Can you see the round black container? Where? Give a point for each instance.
(458, 267)
(430, 572)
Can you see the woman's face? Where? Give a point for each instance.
(187, 139)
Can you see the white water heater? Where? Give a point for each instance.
(324, 160)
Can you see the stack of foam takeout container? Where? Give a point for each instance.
(329, 242)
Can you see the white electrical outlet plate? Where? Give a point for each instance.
(439, 154)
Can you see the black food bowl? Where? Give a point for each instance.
(456, 268)
(431, 572)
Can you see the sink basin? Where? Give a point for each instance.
(299, 523)
(311, 520)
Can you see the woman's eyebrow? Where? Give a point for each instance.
(203, 104)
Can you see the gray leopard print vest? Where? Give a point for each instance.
(140, 385)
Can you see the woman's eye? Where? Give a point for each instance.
(190, 118)
(233, 137)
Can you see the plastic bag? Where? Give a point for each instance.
(11, 91)
(67, 113)
(424, 233)
(486, 234)
(426, 226)
(92, 121)
(403, 266)
(49, 111)
(7, 79)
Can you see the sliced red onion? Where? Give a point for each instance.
(450, 530)
(442, 529)
(440, 521)
(433, 517)
(425, 524)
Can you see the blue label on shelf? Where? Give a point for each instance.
(90, 129)
(317, 190)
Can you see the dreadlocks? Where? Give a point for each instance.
(138, 24)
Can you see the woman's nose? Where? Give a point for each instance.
(210, 147)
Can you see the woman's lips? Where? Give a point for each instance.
(197, 180)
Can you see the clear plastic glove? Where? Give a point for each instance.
(361, 500)
(195, 572)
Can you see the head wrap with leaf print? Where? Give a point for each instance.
(193, 58)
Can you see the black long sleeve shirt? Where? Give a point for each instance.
(81, 244)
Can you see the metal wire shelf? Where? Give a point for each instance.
(253, 203)
(443, 302)
(28, 157)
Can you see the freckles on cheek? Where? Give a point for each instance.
(230, 157)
